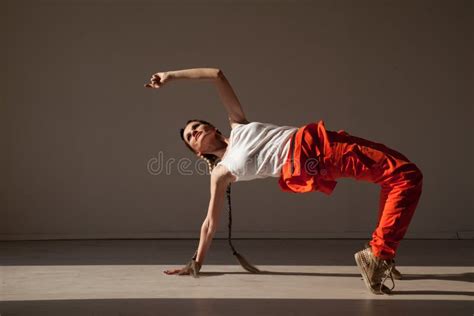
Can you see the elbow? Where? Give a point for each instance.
(219, 74)
(211, 230)
(209, 227)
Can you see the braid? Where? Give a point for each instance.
(229, 238)
(211, 161)
(243, 262)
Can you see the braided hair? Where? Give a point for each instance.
(212, 160)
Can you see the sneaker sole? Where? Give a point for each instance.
(364, 275)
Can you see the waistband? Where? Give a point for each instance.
(308, 142)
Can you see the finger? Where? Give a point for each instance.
(152, 85)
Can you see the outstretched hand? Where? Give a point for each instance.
(192, 267)
(158, 80)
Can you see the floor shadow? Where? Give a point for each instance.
(462, 277)
(343, 275)
(424, 292)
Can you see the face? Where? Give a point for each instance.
(199, 136)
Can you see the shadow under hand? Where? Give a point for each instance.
(281, 273)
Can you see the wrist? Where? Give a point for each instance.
(194, 258)
(170, 74)
(195, 267)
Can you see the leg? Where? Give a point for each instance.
(401, 184)
(400, 181)
(399, 198)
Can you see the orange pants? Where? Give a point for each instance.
(341, 155)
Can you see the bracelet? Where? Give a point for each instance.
(194, 268)
(194, 259)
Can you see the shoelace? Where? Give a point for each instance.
(388, 273)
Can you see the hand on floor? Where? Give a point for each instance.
(192, 267)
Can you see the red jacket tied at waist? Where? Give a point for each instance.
(303, 170)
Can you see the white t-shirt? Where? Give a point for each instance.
(257, 150)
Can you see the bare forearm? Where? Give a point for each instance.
(220, 179)
(205, 240)
(195, 73)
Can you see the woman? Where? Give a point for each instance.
(305, 159)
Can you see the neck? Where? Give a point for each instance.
(221, 147)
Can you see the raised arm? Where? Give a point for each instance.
(229, 99)
(227, 95)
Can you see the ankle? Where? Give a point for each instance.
(383, 259)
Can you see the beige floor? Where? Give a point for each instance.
(302, 277)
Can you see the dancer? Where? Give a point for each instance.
(304, 159)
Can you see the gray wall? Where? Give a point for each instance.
(78, 129)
